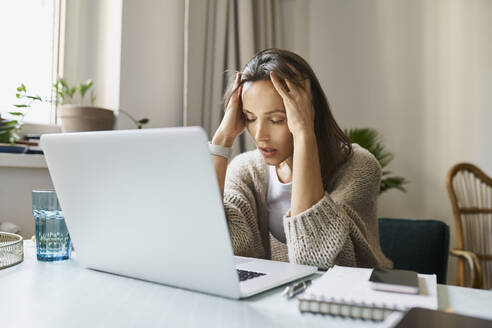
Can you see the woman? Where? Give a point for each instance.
(306, 195)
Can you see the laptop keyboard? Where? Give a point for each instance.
(246, 275)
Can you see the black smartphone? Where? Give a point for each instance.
(399, 281)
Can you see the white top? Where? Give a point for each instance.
(278, 203)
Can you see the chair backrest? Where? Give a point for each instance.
(470, 192)
(418, 245)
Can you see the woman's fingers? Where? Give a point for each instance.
(238, 91)
(290, 89)
(278, 85)
(237, 80)
(307, 84)
(307, 87)
(236, 84)
(291, 86)
(237, 94)
(238, 98)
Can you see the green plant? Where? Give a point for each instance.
(66, 94)
(370, 139)
(9, 128)
(8, 131)
(63, 93)
(139, 123)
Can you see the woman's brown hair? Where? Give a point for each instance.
(334, 148)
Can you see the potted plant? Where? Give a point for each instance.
(8, 131)
(9, 136)
(369, 139)
(75, 113)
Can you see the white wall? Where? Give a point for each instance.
(418, 71)
(19, 175)
(295, 25)
(152, 51)
(15, 195)
(92, 47)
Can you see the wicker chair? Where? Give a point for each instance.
(470, 191)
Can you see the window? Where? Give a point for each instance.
(29, 33)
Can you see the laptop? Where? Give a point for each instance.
(146, 204)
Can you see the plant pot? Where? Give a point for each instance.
(76, 118)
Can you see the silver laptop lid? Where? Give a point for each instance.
(145, 204)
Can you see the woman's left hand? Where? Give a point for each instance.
(298, 105)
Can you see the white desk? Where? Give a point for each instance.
(63, 294)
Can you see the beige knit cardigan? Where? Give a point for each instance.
(342, 228)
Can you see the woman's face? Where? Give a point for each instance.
(266, 121)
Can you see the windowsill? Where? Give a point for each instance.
(22, 160)
(29, 160)
(39, 128)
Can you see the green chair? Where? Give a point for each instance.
(418, 245)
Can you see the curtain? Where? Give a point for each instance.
(221, 36)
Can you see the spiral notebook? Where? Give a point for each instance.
(345, 291)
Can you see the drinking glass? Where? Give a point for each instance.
(52, 237)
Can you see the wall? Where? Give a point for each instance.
(19, 175)
(92, 47)
(15, 194)
(152, 51)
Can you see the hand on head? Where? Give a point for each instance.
(298, 104)
(232, 125)
(297, 101)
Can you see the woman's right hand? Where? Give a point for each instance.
(233, 123)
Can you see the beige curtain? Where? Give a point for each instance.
(221, 36)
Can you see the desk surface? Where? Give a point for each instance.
(63, 294)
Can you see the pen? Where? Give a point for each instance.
(297, 288)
